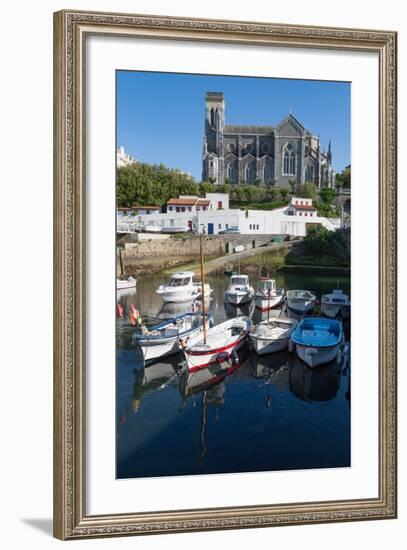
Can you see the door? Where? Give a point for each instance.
(210, 228)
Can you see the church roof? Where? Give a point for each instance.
(229, 129)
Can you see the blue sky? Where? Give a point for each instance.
(160, 116)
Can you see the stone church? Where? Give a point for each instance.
(261, 154)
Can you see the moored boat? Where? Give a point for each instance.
(267, 295)
(164, 339)
(336, 304)
(175, 229)
(124, 284)
(301, 301)
(151, 228)
(317, 340)
(217, 345)
(272, 335)
(239, 290)
(182, 288)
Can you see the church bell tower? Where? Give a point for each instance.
(213, 139)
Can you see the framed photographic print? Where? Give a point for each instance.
(225, 274)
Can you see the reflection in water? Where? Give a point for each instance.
(246, 416)
(318, 384)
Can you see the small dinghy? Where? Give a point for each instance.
(267, 295)
(317, 340)
(182, 288)
(301, 301)
(175, 229)
(335, 304)
(272, 335)
(164, 339)
(239, 290)
(124, 284)
(217, 344)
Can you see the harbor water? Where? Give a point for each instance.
(265, 413)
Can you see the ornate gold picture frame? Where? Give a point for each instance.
(71, 30)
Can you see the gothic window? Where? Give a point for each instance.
(230, 173)
(250, 172)
(249, 148)
(289, 160)
(309, 173)
(267, 173)
(213, 118)
(265, 148)
(232, 147)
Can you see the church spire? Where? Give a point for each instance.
(329, 153)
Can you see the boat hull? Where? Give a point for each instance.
(316, 356)
(333, 311)
(238, 299)
(301, 306)
(264, 303)
(263, 346)
(203, 360)
(219, 346)
(162, 347)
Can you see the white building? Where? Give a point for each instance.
(137, 210)
(302, 207)
(193, 203)
(281, 221)
(122, 158)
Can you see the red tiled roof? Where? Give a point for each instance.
(303, 207)
(182, 202)
(203, 202)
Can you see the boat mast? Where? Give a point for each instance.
(203, 286)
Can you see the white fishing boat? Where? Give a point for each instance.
(239, 290)
(164, 339)
(336, 304)
(217, 344)
(151, 228)
(175, 229)
(272, 335)
(268, 295)
(182, 288)
(124, 284)
(317, 340)
(301, 301)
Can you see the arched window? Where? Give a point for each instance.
(267, 173)
(213, 118)
(289, 160)
(250, 172)
(230, 173)
(309, 173)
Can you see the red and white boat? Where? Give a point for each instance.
(217, 345)
(267, 295)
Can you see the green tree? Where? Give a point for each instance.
(206, 187)
(344, 178)
(284, 192)
(317, 240)
(327, 195)
(307, 190)
(293, 186)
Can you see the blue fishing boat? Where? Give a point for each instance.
(317, 340)
(164, 339)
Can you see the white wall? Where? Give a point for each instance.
(26, 351)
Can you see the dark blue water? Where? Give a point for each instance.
(270, 413)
